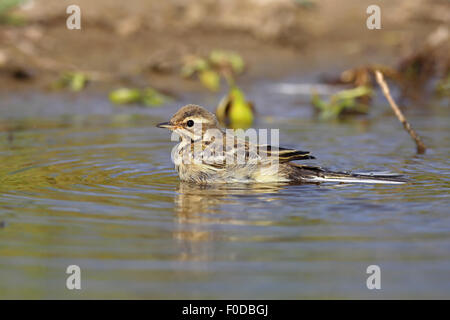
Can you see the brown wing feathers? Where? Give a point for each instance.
(286, 155)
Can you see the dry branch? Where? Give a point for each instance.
(384, 87)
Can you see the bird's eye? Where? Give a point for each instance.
(190, 123)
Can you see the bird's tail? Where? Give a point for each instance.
(316, 174)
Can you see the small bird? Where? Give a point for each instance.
(208, 155)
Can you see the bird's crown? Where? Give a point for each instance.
(195, 113)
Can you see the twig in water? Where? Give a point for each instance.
(384, 87)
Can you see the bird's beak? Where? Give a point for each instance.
(167, 125)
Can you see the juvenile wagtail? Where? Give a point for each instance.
(207, 155)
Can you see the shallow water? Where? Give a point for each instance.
(86, 183)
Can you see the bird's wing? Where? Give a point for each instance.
(243, 153)
(252, 154)
(284, 154)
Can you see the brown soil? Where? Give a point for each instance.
(143, 43)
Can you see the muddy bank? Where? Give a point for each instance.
(142, 43)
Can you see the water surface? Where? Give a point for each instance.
(86, 183)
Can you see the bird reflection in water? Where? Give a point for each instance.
(201, 213)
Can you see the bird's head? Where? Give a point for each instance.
(191, 121)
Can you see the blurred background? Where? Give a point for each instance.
(148, 42)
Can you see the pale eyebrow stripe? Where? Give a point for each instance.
(197, 120)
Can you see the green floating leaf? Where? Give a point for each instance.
(147, 97)
(210, 79)
(218, 57)
(237, 63)
(219, 63)
(318, 103)
(354, 93)
(125, 96)
(227, 58)
(78, 81)
(75, 81)
(194, 65)
(234, 111)
(343, 102)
